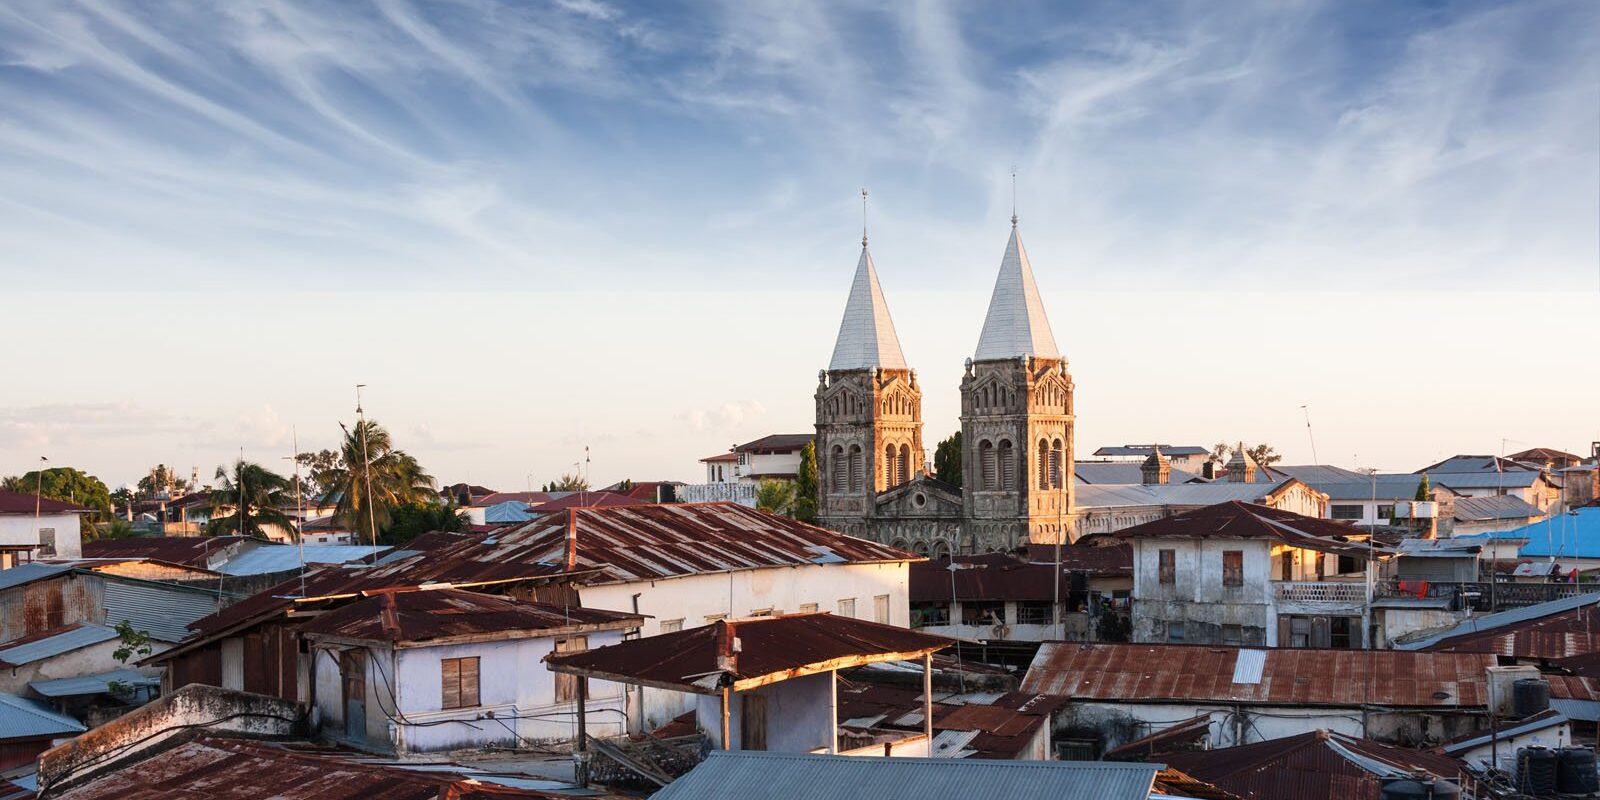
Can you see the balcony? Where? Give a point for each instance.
(1342, 592)
(1484, 597)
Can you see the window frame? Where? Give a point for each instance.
(1233, 574)
(453, 683)
(567, 684)
(1167, 566)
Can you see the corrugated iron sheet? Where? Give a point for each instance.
(1236, 519)
(53, 643)
(765, 646)
(93, 684)
(439, 613)
(1192, 673)
(735, 775)
(21, 718)
(1566, 627)
(24, 574)
(1318, 765)
(268, 559)
(163, 611)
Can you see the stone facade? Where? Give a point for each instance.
(1016, 422)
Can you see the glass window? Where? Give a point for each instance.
(1386, 511)
(1347, 512)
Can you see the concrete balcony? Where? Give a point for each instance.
(1338, 592)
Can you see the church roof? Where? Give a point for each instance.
(1016, 324)
(866, 334)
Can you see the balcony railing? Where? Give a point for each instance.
(1320, 591)
(1483, 596)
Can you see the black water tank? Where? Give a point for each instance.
(1536, 771)
(1418, 788)
(1575, 771)
(1529, 696)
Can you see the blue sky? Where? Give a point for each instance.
(418, 157)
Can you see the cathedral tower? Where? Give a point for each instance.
(1016, 420)
(869, 411)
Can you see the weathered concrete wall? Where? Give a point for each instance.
(195, 710)
(1118, 723)
(797, 714)
(22, 529)
(1198, 599)
(91, 660)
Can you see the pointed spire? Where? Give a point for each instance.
(1016, 324)
(866, 334)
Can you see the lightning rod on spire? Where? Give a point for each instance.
(1013, 195)
(863, 216)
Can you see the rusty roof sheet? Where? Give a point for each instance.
(236, 769)
(596, 499)
(1317, 765)
(1174, 783)
(1247, 520)
(1294, 677)
(649, 542)
(1185, 735)
(435, 614)
(1556, 629)
(188, 551)
(1001, 577)
(751, 652)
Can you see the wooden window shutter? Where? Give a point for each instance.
(469, 681)
(450, 680)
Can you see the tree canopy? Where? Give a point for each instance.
(776, 496)
(396, 479)
(249, 499)
(567, 483)
(805, 485)
(66, 484)
(947, 460)
(1423, 489)
(411, 520)
(161, 480)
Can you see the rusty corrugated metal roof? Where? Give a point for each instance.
(1000, 577)
(423, 616)
(1199, 673)
(746, 652)
(1317, 765)
(1572, 630)
(1249, 521)
(238, 769)
(188, 551)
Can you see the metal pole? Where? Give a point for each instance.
(38, 493)
(366, 472)
(726, 745)
(833, 712)
(927, 700)
(581, 768)
(300, 509)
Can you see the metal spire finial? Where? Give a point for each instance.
(863, 216)
(1013, 195)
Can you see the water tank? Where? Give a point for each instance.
(1529, 696)
(1575, 771)
(1536, 771)
(1421, 787)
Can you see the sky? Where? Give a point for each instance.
(534, 227)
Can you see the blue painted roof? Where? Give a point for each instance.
(28, 573)
(1571, 535)
(93, 684)
(83, 635)
(286, 557)
(21, 718)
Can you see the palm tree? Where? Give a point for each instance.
(254, 491)
(396, 479)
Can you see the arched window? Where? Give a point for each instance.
(1006, 456)
(1058, 463)
(903, 465)
(990, 474)
(941, 550)
(855, 468)
(889, 469)
(1045, 469)
(920, 548)
(838, 468)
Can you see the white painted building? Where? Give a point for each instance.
(33, 528)
(1240, 574)
(772, 457)
(433, 671)
(1106, 508)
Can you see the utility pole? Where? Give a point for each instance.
(300, 508)
(366, 473)
(38, 494)
(239, 488)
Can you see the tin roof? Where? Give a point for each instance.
(1317, 765)
(1188, 734)
(238, 769)
(1575, 534)
(1142, 450)
(23, 503)
(587, 500)
(1156, 673)
(1566, 627)
(1549, 718)
(202, 552)
(1175, 494)
(1121, 472)
(777, 442)
(650, 542)
(1016, 324)
(745, 654)
(1001, 577)
(1244, 520)
(23, 574)
(53, 643)
(1486, 480)
(434, 615)
(867, 339)
(741, 775)
(270, 558)
(1172, 783)
(21, 718)
(1501, 506)
(93, 684)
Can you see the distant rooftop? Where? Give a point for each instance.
(1142, 450)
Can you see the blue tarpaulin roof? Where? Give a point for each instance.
(1572, 535)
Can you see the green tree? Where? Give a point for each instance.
(319, 473)
(1423, 489)
(568, 483)
(947, 460)
(159, 481)
(1264, 455)
(805, 485)
(248, 500)
(131, 642)
(411, 520)
(776, 496)
(396, 479)
(65, 484)
(112, 529)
